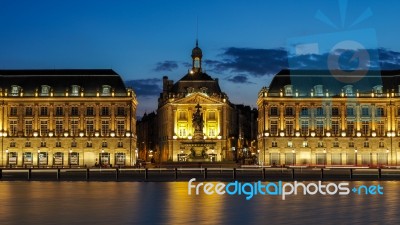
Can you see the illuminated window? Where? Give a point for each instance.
(305, 144)
(182, 115)
(366, 144)
(15, 90)
(105, 90)
(74, 127)
(290, 144)
(289, 128)
(59, 127)
(319, 128)
(304, 127)
(43, 128)
(274, 144)
(380, 128)
(350, 128)
(274, 128)
(45, 90)
(365, 127)
(105, 127)
(348, 89)
(13, 111)
(335, 127)
(13, 127)
(75, 90)
(28, 128)
(318, 89)
(211, 116)
(120, 128)
(288, 90)
(89, 127)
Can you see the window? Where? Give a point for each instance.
(289, 111)
(336, 144)
(15, 90)
(105, 90)
(59, 128)
(88, 144)
(274, 144)
(290, 144)
(364, 111)
(320, 111)
(120, 111)
(105, 111)
(28, 128)
(27, 144)
(350, 111)
(366, 144)
(380, 111)
(105, 128)
(304, 127)
(378, 89)
(381, 144)
(365, 128)
(74, 111)
(74, 90)
(319, 128)
(211, 116)
(305, 144)
(12, 144)
(104, 144)
(274, 128)
(318, 89)
(74, 127)
(73, 144)
(289, 128)
(43, 110)
(182, 115)
(320, 144)
(43, 144)
(58, 144)
(28, 111)
(182, 132)
(288, 90)
(351, 144)
(45, 90)
(120, 144)
(13, 111)
(89, 127)
(350, 128)
(335, 128)
(89, 111)
(43, 128)
(380, 128)
(13, 128)
(335, 111)
(304, 111)
(59, 111)
(274, 111)
(120, 128)
(348, 89)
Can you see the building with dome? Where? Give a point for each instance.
(310, 117)
(66, 118)
(196, 120)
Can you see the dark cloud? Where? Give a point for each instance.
(262, 62)
(257, 62)
(166, 66)
(145, 87)
(241, 79)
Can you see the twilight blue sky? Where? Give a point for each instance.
(244, 42)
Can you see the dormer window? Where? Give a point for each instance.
(75, 90)
(378, 89)
(15, 90)
(190, 90)
(288, 90)
(105, 90)
(203, 90)
(318, 90)
(45, 90)
(348, 90)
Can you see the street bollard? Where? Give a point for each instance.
(263, 173)
(29, 173)
(322, 173)
(87, 174)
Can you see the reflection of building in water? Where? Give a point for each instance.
(196, 121)
(66, 117)
(313, 117)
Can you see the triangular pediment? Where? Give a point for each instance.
(198, 98)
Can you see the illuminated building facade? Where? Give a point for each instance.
(195, 118)
(330, 118)
(66, 118)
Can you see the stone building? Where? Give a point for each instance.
(66, 118)
(330, 118)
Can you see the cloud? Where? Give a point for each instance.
(266, 62)
(239, 79)
(166, 66)
(257, 62)
(145, 87)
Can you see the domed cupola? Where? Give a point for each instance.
(197, 54)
